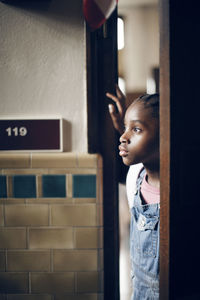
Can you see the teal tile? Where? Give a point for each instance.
(54, 186)
(84, 186)
(3, 189)
(24, 186)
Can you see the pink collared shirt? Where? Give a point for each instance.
(150, 194)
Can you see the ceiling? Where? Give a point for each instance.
(126, 3)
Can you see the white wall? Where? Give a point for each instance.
(141, 51)
(42, 64)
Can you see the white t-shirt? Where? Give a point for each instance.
(131, 178)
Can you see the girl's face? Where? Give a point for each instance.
(140, 140)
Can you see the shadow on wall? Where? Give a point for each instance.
(37, 5)
(60, 10)
(67, 136)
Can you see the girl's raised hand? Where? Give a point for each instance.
(117, 115)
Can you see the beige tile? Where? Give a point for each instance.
(54, 238)
(87, 160)
(1, 215)
(88, 282)
(52, 282)
(14, 160)
(2, 260)
(87, 238)
(75, 260)
(53, 160)
(101, 231)
(13, 238)
(28, 261)
(29, 297)
(101, 281)
(100, 259)
(39, 186)
(73, 171)
(85, 171)
(77, 297)
(9, 186)
(99, 214)
(14, 282)
(55, 171)
(12, 201)
(99, 193)
(74, 215)
(69, 185)
(25, 171)
(50, 201)
(84, 200)
(26, 215)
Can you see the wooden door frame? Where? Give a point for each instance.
(164, 149)
(102, 138)
(101, 129)
(180, 149)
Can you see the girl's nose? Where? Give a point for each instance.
(124, 138)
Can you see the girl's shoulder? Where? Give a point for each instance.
(133, 173)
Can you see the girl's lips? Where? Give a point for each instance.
(122, 151)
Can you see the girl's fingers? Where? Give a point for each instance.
(113, 97)
(115, 118)
(113, 113)
(119, 93)
(111, 108)
(117, 112)
(121, 97)
(120, 106)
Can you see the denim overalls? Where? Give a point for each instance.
(144, 247)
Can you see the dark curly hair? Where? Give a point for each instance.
(150, 101)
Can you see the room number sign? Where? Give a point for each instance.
(31, 134)
(22, 131)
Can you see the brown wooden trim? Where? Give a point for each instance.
(103, 139)
(164, 149)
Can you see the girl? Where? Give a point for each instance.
(139, 145)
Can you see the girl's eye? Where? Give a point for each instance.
(137, 130)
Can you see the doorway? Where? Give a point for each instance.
(180, 148)
(138, 69)
(102, 55)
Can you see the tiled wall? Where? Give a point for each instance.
(51, 226)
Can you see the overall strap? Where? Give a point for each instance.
(137, 199)
(140, 178)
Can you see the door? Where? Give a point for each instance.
(102, 138)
